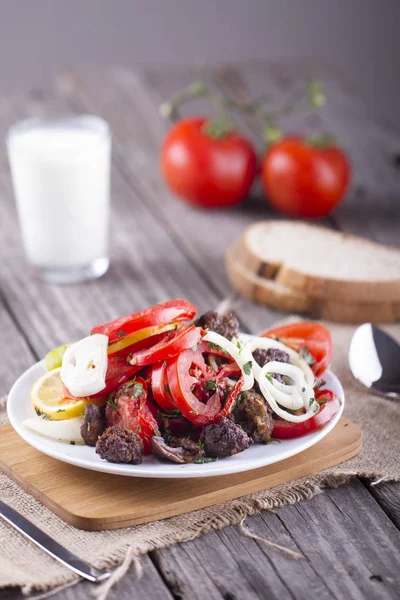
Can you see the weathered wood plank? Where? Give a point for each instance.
(388, 497)
(351, 550)
(17, 354)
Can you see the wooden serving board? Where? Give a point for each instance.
(96, 501)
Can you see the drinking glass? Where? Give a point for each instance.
(61, 178)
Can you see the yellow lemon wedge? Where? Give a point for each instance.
(49, 400)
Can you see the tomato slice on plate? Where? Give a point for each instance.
(159, 386)
(329, 405)
(129, 407)
(175, 342)
(307, 336)
(160, 314)
(188, 372)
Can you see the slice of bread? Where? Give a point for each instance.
(322, 263)
(276, 295)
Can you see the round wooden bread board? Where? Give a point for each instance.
(98, 501)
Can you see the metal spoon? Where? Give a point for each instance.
(374, 359)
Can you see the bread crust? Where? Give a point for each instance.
(270, 293)
(318, 286)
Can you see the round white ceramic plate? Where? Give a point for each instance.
(19, 408)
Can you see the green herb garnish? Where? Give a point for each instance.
(269, 377)
(247, 367)
(312, 400)
(203, 459)
(272, 440)
(211, 384)
(112, 404)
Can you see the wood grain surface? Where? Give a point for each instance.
(161, 248)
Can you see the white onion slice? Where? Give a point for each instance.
(84, 365)
(277, 394)
(291, 396)
(268, 395)
(240, 356)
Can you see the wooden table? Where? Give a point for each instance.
(160, 249)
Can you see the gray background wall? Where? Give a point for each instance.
(360, 37)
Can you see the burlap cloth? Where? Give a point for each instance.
(22, 564)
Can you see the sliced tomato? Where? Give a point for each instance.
(134, 338)
(307, 335)
(189, 371)
(329, 405)
(128, 406)
(160, 314)
(159, 386)
(178, 341)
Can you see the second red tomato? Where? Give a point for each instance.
(302, 180)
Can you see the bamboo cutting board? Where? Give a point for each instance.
(97, 501)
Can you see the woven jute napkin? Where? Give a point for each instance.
(22, 564)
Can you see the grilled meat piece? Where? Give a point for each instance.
(224, 438)
(93, 424)
(262, 357)
(226, 325)
(254, 415)
(119, 445)
(177, 450)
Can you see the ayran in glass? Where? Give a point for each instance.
(61, 177)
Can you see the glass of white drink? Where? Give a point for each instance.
(61, 177)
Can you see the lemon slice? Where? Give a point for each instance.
(47, 396)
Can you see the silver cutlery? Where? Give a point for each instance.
(46, 543)
(374, 359)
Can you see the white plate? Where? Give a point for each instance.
(19, 408)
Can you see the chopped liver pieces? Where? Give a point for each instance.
(262, 357)
(254, 416)
(224, 438)
(118, 445)
(177, 450)
(93, 424)
(226, 325)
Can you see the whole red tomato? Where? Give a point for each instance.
(205, 169)
(302, 180)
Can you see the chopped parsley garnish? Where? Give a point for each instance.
(241, 398)
(316, 408)
(193, 412)
(272, 440)
(238, 344)
(121, 333)
(213, 346)
(203, 459)
(211, 384)
(60, 410)
(269, 377)
(312, 400)
(112, 404)
(170, 413)
(137, 388)
(303, 389)
(247, 367)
